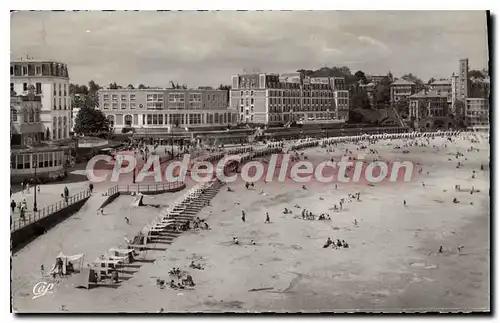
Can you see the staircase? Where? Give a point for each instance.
(398, 118)
(187, 209)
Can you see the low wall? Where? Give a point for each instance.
(23, 236)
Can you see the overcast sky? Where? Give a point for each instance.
(206, 48)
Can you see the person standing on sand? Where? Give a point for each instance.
(13, 206)
(404, 202)
(243, 216)
(267, 218)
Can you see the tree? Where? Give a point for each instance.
(90, 121)
(403, 107)
(142, 87)
(383, 93)
(360, 100)
(476, 74)
(431, 80)
(360, 76)
(130, 87)
(412, 78)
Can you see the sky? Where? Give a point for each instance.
(206, 48)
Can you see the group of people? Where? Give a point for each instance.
(335, 245)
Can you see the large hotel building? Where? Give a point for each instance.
(160, 108)
(40, 119)
(280, 99)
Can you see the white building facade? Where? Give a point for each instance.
(51, 82)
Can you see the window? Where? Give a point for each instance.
(25, 70)
(154, 97)
(60, 104)
(38, 70)
(194, 97)
(25, 86)
(105, 97)
(132, 97)
(114, 98)
(251, 93)
(31, 116)
(13, 113)
(114, 106)
(60, 91)
(37, 115)
(251, 101)
(176, 97)
(65, 87)
(106, 106)
(55, 104)
(132, 105)
(11, 87)
(128, 120)
(38, 88)
(11, 70)
(123, 97)
(55, 90)
(124, 105)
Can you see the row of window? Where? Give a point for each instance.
(154, 106)
(53, 69)
(156, 97)
(29, 116)
(40, 160)
(63, 104)
(298, 93)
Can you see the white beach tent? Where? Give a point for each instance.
(76, 260)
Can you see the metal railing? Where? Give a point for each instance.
(144, 188)
(32, 217)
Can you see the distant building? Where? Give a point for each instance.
(267, 98)
(454, 90)
(402, 89)
(477, 112)
(463, 79)
(428, 104)
(161, 108)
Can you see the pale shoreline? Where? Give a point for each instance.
(380, 271)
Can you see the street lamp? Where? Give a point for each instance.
(35, 180)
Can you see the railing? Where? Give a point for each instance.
(32, 217)
(144, 188)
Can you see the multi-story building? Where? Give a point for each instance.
(264, 99)
(157, 108)
(29, 156)
(51, 82)
(402, 89)
(477, 112)
(454, 90)
(443, 87)
(463, 79)
(428, 104)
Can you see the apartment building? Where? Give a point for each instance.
(268, 98)
(402, 89)
(428, 104)
(463, 79)
(477, 112)
(157, 108)
(51, 82)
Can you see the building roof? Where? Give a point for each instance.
(441, 82)
(402, 82)
(428, 94)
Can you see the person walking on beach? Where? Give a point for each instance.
(13, 206)
(91, 188)
(243, 216)
(267, 218)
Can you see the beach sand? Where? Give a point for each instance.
(392, 263)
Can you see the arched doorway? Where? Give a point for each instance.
(128, 120)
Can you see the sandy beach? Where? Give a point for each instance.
(392, 263)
